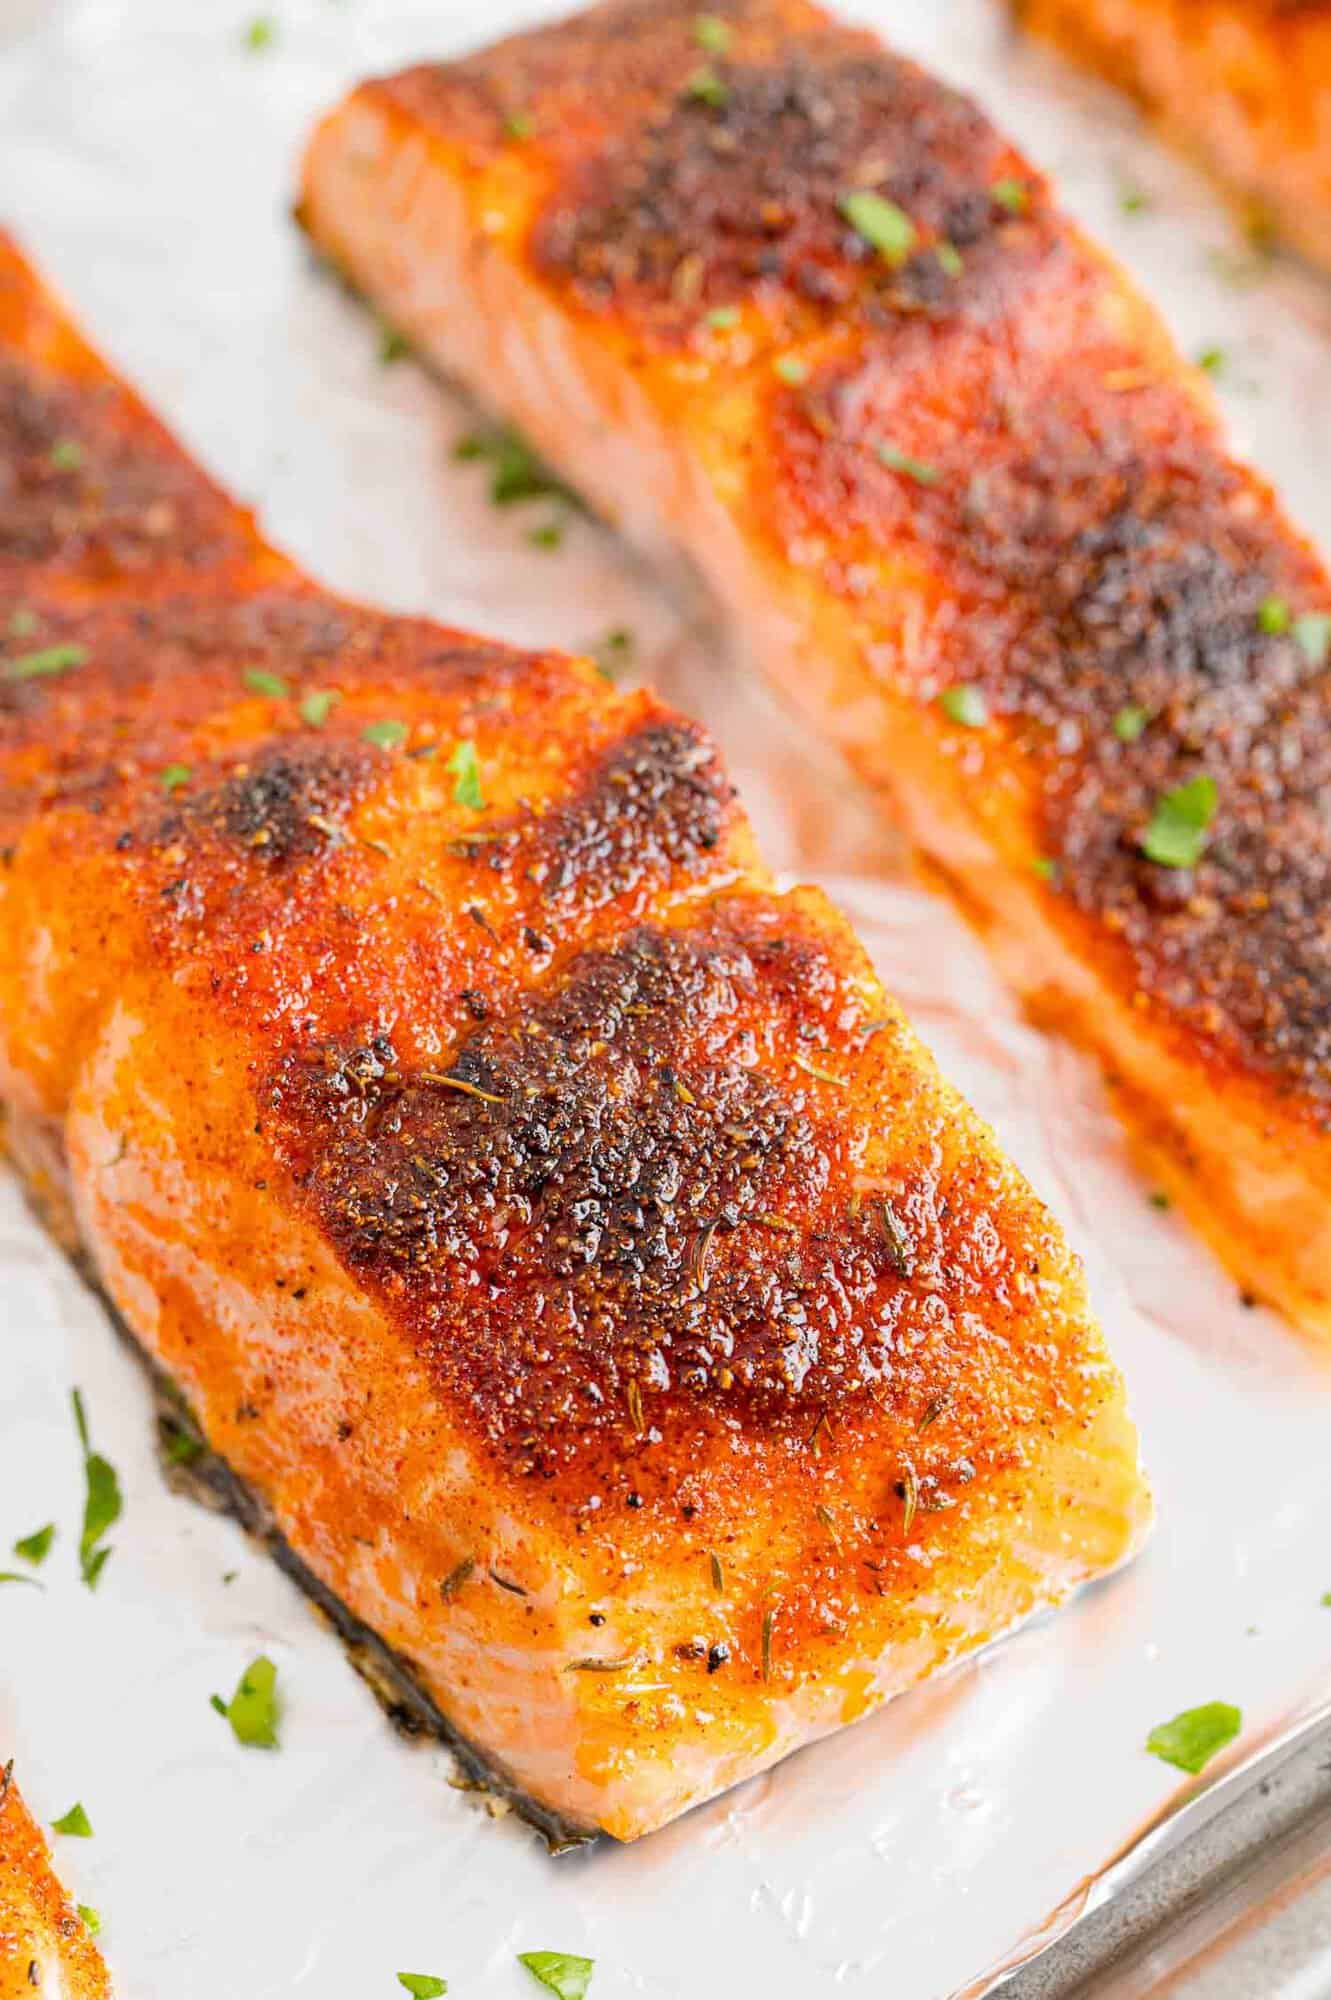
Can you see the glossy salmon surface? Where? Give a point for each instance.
(1243, 85)
(775, 296)
(556, 1228)
(46, 1945)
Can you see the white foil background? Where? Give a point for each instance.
(146, 160)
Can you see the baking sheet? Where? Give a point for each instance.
(146, 157)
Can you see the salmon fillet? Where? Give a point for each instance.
(1243, 85)
(773, 296)
(557, 1229)
(45, 1943)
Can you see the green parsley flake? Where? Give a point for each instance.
(721, 317)
(965, 705)
(101, 1507)
(75, 1821)
(66, 455)
(253, 1709)
(393, 346)
(792, 369)
(1135, 200)
(262, 682)
(174, 776)
(318, 705)
(710, 32)
(917, 469)
(1130, 721)
(92, 1918)
(1013, 195)
(1192, 1739)
(1325, 1599)
(1213, 360)
(423, 1984)
(466, 775)
(613, 653)
(1312, 635)
(1046, 869)
(885, 227)
(50, 660)
(516, 473)
(1176, 836)
(707, 87)
(518, 125)
(949, 257)
(17, 1576)
(1273, 615)
(261, 32)
(35, 1548)
(549, 535)
(1159, 1199)
(386, 735)
(559, 1971)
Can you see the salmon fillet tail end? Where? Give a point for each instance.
(557, 1232)
(46, 1944)
(773, 296)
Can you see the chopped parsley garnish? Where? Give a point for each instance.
(917, 469)
(965, 705)
(393, 346)
(17, 1576)
(102, 1505)
(253, 1709)
(1192, 1738)
(1159, 1199)
(613, 653)
(792, 369)
(386, 735)
(1176, 835)
(1134, 200)
(721, 317)
(92, 1918)
(1046, 869)
(1325, 1599)
(50, 660)
(707, 87)
(885, 227)
(75, 1821)
(1011, 194)
(550, 535)
(1213, 360)
(1273, 615)
(949, 257)
(35, 1548)
(559, 1971)
(260, 681)
(516, 473)
(261, 32)
(318, 705)
(518, 125)
(710, 32)
(466, 775)
(174, 776)
(1130, 721)
(424, 1985)
(66, 455)
(1312, 635)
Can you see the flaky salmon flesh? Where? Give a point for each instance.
(1242, 85)
(775, 297)
(46, 1944)
(554, 1226)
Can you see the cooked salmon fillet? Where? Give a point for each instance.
(1244, 85)
(773, 295)
(556, 1228)
(46, 1945)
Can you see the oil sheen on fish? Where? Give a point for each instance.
(558, 1228)
(772, 295)
(46, 1944)
(1243, 85)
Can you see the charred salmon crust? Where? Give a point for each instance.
(792, 305)
(590, 1286)
(1240, 84)
(45, 1943)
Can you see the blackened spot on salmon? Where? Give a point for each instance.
(657, 802)
(602, 1208)
(288, 802)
